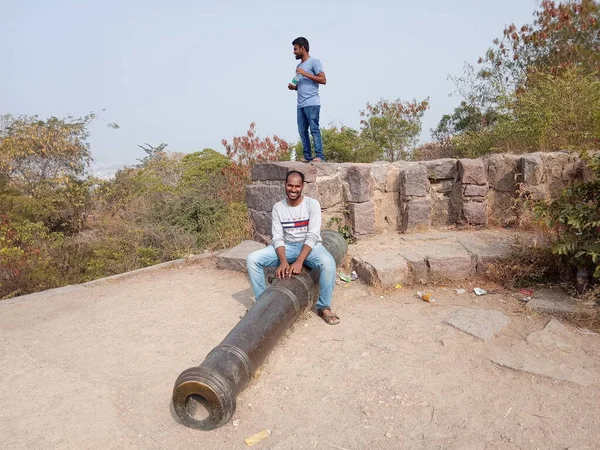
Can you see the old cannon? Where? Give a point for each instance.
(204, 397)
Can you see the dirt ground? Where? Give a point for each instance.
(95, 368)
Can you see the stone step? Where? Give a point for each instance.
(388, 260)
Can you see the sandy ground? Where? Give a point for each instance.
(94, 369)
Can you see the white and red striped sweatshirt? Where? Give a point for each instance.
(300, 223)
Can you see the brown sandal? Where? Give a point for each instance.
(331, 318)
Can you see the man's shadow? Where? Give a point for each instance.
(245, 297)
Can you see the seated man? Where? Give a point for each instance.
(297, 240)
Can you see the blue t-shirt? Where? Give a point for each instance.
(308, 90)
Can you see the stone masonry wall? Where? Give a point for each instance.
(418, 196)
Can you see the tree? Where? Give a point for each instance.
(391, 128)
(36, 154)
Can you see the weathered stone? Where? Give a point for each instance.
(479, 323)
(552, 301)
(262, 197)
(474, 213)
(471, 171)
(555, 164)
(329, 191)
(310, 190)
(502, 208)
(392, 183)
(551, 337)
(502, 171)
(379, 173)
(261, 224)
(382, 269)
(414, 181)
(359, 184)
(441, 211)
(474, 190)
(443, 186)
(440, 169)
(362, 218)
(532, 169)
(278, 170)
(416, 215)
(486, 249)
(235, 258)
(451, 261)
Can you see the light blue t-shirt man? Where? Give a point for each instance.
(310, 76)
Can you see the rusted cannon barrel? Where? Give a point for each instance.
(204, 397)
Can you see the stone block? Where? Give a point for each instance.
(416, 215)
(552, 301)
(474, 213)
(474, 190)
(235, 258)
(502, 171)
(471, 171)
(261, 223)
(262, 197)
(329, 191)
(532, 169)
(359, 185)
(392, 183)
(278, 170)
(390, 210)
(362, 218)
(379, 173)
(442, 186)
(451, 262)
(310, 190)
(442, 213)
(502, 209)
(440, 169)
(414, 181)
(382, 269)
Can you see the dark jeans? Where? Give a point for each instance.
(308, 117)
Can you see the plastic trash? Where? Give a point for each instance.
(426, 296)
(344, 277)
(479, 291)
(398, 286)
(460, 291)
(354, 276)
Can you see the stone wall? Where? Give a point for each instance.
(418, 196)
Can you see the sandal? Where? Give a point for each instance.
(331, 318)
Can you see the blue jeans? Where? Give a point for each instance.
(319, 258)
(308, 117)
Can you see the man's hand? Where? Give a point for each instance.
(296, 267)
(292, 87)
(301, 71)
(283, 270)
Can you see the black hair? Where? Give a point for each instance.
(294, 172)
(301, 42)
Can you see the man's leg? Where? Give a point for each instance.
(256, 262)
(267, 257)
(313, 113)
(319, 258)
(303, 132)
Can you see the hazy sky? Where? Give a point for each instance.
(190, 73)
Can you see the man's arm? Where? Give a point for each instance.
(319, 78)
(279, 244)
(312, 237)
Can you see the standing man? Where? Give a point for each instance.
(296, 232)
(310, 76)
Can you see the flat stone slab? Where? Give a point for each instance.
(479, 323)
(235, 258)
(552, 301)
(548, 353)
(384, 269)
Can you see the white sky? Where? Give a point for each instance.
(190, 73)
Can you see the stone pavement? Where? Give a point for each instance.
(388, 259)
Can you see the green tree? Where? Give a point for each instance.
(391, 128)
